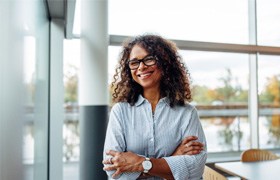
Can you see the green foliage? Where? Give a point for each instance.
(71, 85)
(271, 93)
(227, 93)
(202, 94)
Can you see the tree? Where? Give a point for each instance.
(271, 95)
(71, 84)
(227, 93)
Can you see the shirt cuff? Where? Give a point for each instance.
(179, 166)
(124, 176)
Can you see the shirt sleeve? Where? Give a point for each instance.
(115, 140)
(189, 167)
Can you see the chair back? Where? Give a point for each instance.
(251, 155)
(211, 174)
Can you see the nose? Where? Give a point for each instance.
(142, 66)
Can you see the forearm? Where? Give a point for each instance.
(160, 168)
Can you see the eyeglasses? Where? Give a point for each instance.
(148, 61)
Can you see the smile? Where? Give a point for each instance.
(146, 74)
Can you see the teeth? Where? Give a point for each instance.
(144, 75)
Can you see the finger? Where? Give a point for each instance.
(193, 152)
(188, 139)
(116, 174)
(109, 168)
(108, 161)
(111, 152)
(190, 148)
(194, 143)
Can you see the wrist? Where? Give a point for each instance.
(147, 165)
(139, 164)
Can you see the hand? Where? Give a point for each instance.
(123, 162)
(188, 147)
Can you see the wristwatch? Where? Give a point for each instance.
(147, 165)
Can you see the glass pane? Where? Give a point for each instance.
(71, 133)
(269, 99)
(220, 93)
(268, 25)
(200, 20)
(35, 24)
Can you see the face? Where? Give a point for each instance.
(146, 76)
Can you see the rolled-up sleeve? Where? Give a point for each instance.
(189, 167)
(115, 140)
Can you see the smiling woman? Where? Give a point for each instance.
(153, 131)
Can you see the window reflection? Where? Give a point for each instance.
(71, 131)
(29, 54)
(269, 99)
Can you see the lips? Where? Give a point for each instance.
(145, 74)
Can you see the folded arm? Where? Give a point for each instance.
(186, 161)
(121, 162)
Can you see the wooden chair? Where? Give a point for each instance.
(211, 174)
(251, 155)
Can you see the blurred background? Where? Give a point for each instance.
(231, 49)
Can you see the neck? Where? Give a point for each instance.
(153, 96)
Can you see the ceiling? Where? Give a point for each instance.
(57, 8)
(65, 10)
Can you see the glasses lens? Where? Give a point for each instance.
(149, 61)
(133, 64)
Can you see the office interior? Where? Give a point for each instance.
(57, 59)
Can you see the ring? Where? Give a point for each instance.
(110, 160)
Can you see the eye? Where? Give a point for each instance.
(149, 60)
(133, 63)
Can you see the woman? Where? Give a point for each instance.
(153, 131)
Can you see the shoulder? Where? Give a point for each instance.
(186, 108)
(188, 111)
(120, 106)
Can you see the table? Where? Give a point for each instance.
(260, 170)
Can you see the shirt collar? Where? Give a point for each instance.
(141, 99)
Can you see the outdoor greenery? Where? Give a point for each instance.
(71, 84)
(228, 93)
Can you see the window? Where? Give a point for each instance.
(199, 20)
(269, 101)
(220, 93)
(221, 71)
(268, 26)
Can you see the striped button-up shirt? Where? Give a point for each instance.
(137, 129)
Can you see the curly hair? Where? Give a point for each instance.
(175, 80)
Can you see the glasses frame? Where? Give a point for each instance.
(142, 60)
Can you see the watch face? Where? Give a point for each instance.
(147, 165)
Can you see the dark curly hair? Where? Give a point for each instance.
(175, 80)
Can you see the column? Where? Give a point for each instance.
(93, 87)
